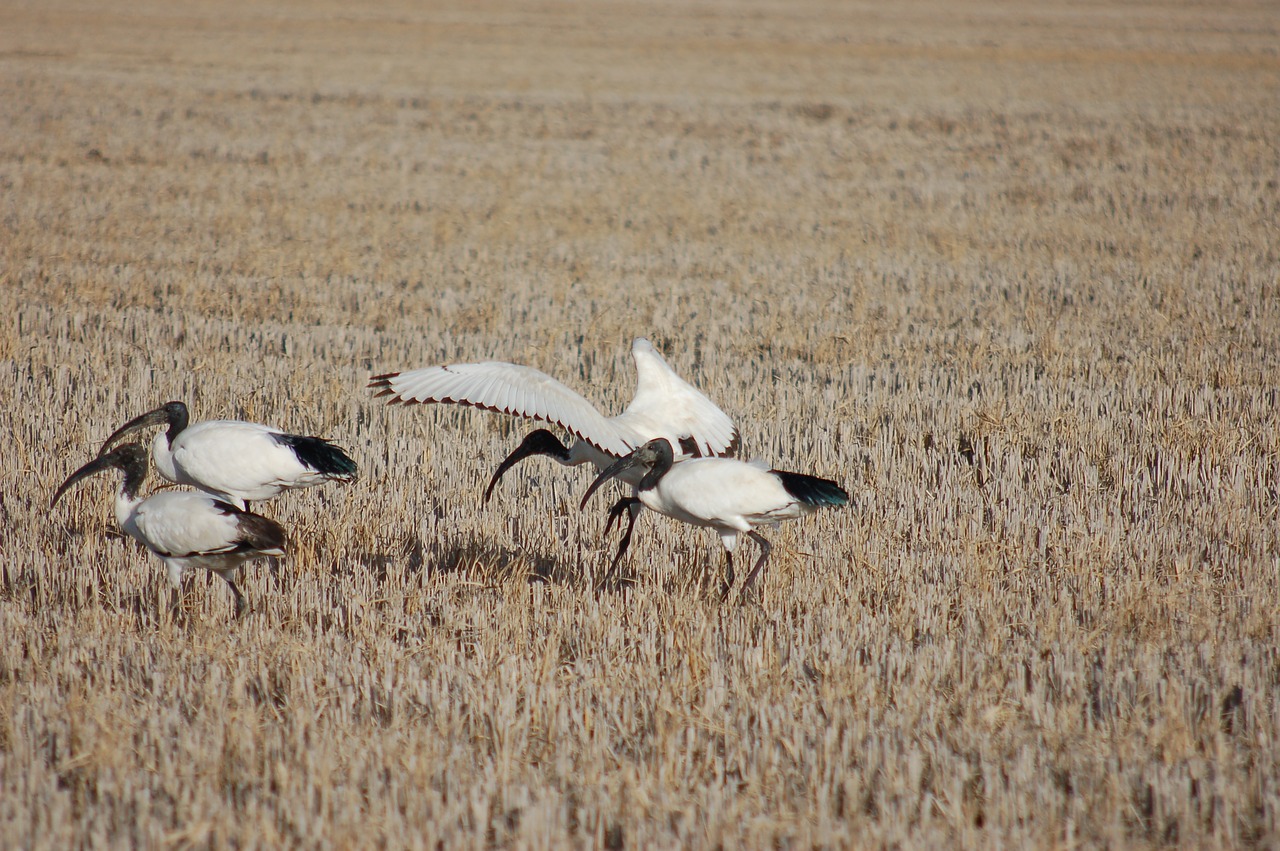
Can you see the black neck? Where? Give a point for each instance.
(134, 467)
(178, 418)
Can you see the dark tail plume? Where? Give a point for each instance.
(260, 534)
(320, 455)
(811, 490)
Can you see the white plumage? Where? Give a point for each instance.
(239, 461)
(731, 496)
(184, 529)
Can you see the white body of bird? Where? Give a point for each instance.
(239, 461)
(184, 529)
(731, 496)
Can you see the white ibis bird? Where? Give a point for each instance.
(665, 406)
(731, 496)
(185, 529)
(238, 461)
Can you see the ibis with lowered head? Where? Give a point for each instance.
(240, 462)
(731, 496)
(184, 529)
(665, 406)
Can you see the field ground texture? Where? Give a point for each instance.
(1010, 272)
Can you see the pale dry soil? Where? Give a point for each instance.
(1009, 272)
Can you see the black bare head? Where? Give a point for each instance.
(539, 442)
(656, 455)
(130, 458)
(174, 414)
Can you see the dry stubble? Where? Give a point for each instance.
(1010, 275)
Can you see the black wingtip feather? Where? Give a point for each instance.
(811, 490)
(320, 455)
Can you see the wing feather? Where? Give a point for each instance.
(667, 406)
(520, 391)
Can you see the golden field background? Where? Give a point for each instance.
(1007, 271)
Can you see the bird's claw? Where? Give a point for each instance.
(613, 583)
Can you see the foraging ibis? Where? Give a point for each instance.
(731, 496)
(185, 529)
(665, 406)
(238, 461)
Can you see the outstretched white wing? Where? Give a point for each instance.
(664, 405)
(507, 388)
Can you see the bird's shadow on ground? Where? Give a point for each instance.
(473, 557)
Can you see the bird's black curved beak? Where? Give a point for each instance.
(160, 416)
(97, 465)
(131, 458)
(626, 462)
(539, 442)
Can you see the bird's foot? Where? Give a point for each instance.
(612, 583)
(175, 615)
(752, 596)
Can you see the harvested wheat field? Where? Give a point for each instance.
(1008, 272)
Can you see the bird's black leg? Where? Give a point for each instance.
(626, 504)
(616, 511)
(175, 603)
(727, 584)
(765, 549)
(273, 565)
(235, 591)
(634, 507)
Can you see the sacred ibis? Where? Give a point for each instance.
(238, 461)
(731, 496)
(185, 529)
(664, 405)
